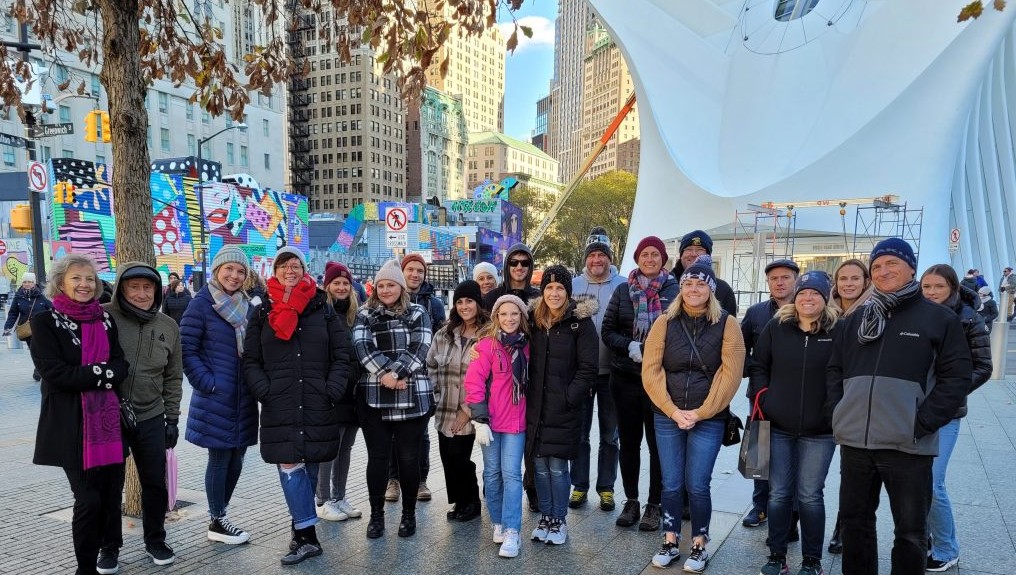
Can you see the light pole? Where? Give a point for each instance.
(201, 202)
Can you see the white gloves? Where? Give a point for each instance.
(483, 434)
(635, 351)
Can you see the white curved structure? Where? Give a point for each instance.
(857, 98)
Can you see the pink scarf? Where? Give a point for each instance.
(100, 409)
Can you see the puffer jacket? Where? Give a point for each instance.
(223, 413)
(175, 304)
(26, 304)
(563, 364)
(619, 322)
(433, 305)
(978, 339)
(493, 405)
(298, 382)
(447, 362)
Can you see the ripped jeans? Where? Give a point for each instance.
(298, 485)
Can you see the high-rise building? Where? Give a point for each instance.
(573, 19)
(545, 115)
(346, 121)
(436, 139)
(606, 86)
(492, 156)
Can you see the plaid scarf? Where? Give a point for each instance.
(232, 308)
(645, 298)
(876, 313)
(515, 343)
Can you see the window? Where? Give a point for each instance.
(65, 114)
(68, 153)
(46, 154)
(265, 128)
(96, 86)
(9, 156)
(190, 111)
(205, 117)
(163, 102)
(268, 161)
(244, 160)
(230, 156)
(100, 159)
(164, 139)
(61, 73)
(192, 146)
(787, 10)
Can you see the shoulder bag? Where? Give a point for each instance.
(24, 330)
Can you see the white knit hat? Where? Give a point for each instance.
(391, 271)
(485, 267)
(28, 277)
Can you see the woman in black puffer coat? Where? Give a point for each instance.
(941, 285)
(176, 301)
(564, 359)
(296, 363)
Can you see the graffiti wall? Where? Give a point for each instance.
(258, 221)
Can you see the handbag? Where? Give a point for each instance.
(732, 433)
(753, 459)
(24, 330)
(128, 419)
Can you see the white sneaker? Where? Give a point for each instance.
(331, 512)
(558, 533)
(541, 529)
(498, 533)
(697, 560)
(345, 507)
(510, 547)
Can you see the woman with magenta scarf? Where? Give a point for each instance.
(78, 355)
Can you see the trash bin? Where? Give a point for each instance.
(13, 342)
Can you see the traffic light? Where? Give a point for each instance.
(63, 193)
(104, 123)
(21, 218)
(97, 126)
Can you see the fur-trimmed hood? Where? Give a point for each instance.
(587, 307)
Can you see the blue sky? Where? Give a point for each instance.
(528, 71)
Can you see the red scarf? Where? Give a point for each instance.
(287, 307)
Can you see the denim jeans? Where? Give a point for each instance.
(944, 545)
(502, 478)
(553, 486)
(607, 456)
(798, 466)
(907, 480)
(332, 474)
(687, 457)
(298, 485)
(221, 475)
(635, 419)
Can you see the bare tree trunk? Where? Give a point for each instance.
(132, 198)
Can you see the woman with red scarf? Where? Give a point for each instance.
(296, 358)
(78, 355)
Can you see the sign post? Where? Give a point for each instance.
(954, 240)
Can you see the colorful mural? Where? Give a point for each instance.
(498, 191)
(258, 221)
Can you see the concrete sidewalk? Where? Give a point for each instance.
(35, 534)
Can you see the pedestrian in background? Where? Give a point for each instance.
(485, 274)
(989, 308)
(28, 301)
(223, 414)
(176, 300)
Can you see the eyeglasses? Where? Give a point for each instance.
(292, 267)
(518, 263)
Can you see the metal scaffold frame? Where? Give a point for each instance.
(884, 219)
(761, 234)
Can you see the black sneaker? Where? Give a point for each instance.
(629, 515)
(109, 561)
(222, 530)
(305, 550)
(776, 565)
(811, 566)
(650, 518)
(936, 566)
(160, 553)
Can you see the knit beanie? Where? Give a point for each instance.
(702, 269)
(782, 263)
(485, 267)
(696, 238)
(894, 247)
(652, 241)
(230, 254)
(390, 271)
(816, 280)
(512, 299)
(557, 274)
(28, 277)
(414, 258)
(468, 289)
(598, 242)
(336, 270)
(289, 250)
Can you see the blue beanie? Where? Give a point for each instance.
(695, 238)
(702, 269)
(816, 280)
(894, 247)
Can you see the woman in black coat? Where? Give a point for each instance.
(941, 285)
(563, 363)
(82, 364)
(28, 301)
(176, 301)
(296, 363)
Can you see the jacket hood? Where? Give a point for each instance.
(518, 248)
(426, 289)
(587, 307)
(137, 269)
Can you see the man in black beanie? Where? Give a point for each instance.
(697, 243)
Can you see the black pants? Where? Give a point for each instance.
(459, 469)
(96, 522)
(148, 447)
(635, 419)
(393, 466)
(378, 435)
(907, 480)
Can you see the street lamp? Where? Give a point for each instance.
(201, 202)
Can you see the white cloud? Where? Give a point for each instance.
(543, 32)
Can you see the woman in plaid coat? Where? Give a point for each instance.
(392, 338)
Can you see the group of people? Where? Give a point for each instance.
(300, 368)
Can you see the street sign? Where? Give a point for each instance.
(13, 141)
(3, 248)
(38, 177)
(397, 240)
(954, 240)
(50, 130)
(396, 219)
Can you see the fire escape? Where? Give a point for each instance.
(301, 164)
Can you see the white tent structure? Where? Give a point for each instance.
(748, 101)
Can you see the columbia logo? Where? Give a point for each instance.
(909, 334)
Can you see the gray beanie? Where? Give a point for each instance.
(230, 254)
(391, 271)
(290, 250)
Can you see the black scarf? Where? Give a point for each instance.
(879, 306)
(515, 343)
(142, 315)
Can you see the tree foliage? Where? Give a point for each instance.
(976, 8)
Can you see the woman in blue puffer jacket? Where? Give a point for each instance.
(223, 415)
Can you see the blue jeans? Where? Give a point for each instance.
(944, 545)
(553, 486)
(687, 458)
(221, 475)
(298, 485)
(502, 478)
(798, 466)
(607, 456)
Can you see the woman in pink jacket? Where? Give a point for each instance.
(496, 395)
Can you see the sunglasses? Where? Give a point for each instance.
(518, 263)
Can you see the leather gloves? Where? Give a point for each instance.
(172, 433)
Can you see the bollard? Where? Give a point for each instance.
(1000, 339)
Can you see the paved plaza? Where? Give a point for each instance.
(35, 533)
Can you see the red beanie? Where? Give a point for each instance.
(651, 241)
(336, 270)
(414, 258)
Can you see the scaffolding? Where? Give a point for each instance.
(761, 235)
(301, 163)
(886, 219)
